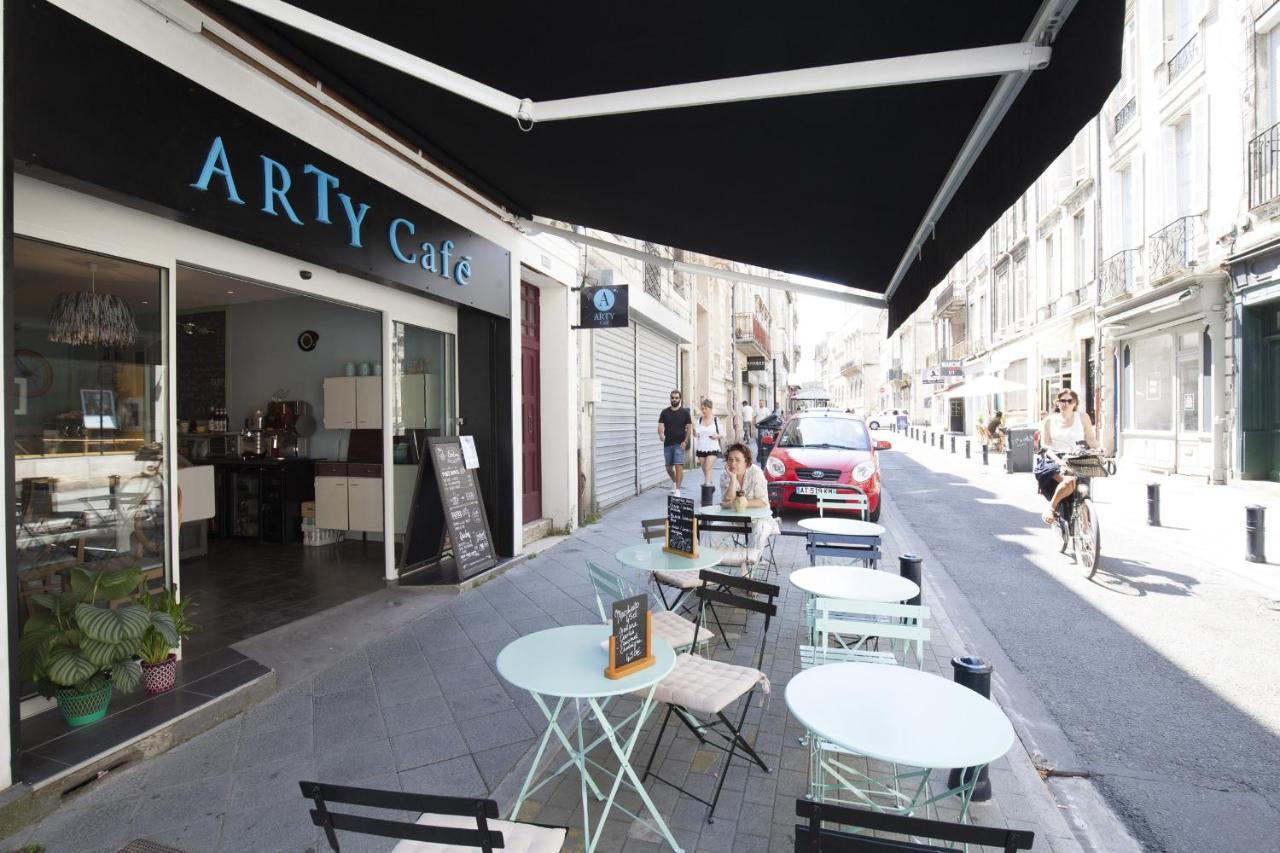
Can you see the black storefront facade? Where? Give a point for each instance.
(127, 175)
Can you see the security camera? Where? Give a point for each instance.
(306, 274)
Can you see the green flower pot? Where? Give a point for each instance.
(81, 709)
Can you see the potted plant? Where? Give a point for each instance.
(78, 647)
(159, 662)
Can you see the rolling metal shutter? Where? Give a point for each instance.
(613, 426)
(657, 361)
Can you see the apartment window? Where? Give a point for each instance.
(1020, 295)
(1079, 242)
(1127, 63)
(1003, 314)
(1050, 270)
(1128, 222)
(1183, 177)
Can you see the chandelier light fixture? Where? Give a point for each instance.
(93, 318)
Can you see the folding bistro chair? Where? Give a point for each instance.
(700, 686)
(672, 627)
(854, 500)
(681, 583)
(811, 837)
(446, 824)
(738, 530)
(850, 624)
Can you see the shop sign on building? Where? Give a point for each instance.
(932, 376)
(603, 307)
(952, 369)
(757, 362)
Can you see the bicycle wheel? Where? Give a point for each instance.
(1088, 537)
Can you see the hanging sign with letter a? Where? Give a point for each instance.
(603, 307)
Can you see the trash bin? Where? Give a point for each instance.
(768, 428)
(1020, 450)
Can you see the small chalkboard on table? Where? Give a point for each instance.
(630, 644)
(682, 527)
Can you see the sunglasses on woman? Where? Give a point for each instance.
(1065, 400)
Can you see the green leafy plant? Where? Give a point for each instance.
(158, 640)
(78, 640)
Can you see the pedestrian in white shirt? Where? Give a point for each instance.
(748, 421)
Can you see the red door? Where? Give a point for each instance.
(531, 419)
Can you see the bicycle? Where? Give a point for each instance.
(1077, 520)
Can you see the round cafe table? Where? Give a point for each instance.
(852, 582)
(565, 666)
(651, 558)
(841, 526)
(899, 715)
(752, 512)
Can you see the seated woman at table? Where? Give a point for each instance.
(741, 476)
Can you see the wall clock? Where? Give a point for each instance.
(307, 340)
(33, 367)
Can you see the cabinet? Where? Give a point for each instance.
(261, 499)
(420, 401)
(349, 497)
(353, 402)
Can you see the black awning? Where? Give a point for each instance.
(832, 186)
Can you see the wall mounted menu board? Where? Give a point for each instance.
(682, 527)
(463, 509)
(629, 644)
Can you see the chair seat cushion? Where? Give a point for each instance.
(707, 686)
(740, 557)
(677, 630)
(679, 580)
(518, 837)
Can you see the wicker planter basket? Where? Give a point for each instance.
(81, 709)
(160, 677)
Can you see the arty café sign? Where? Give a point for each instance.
(328, 203)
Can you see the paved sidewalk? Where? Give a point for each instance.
(421, 709)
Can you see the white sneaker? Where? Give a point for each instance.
(675, 490)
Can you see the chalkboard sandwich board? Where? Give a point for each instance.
(630, 644)
(682, 527)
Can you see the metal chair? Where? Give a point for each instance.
(682, 583)
(850, 624)
(855, 500)
(811, 837)
(700, 686)
(445, 824)
(670, 626)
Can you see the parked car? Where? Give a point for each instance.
(886, 419)
(824, 449)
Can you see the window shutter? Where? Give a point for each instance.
(1139, 200)
(1066, 180)
(1151, 34)
(1200, 156)
(1080, 155)
(1112, 214)
(1168, 185)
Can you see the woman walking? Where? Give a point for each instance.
(706, 438)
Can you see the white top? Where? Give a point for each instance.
(841, 526)
(899, 714)
(747, 414)
(859, 584)
(570, 661)
(651, 558)
(1064, 438)
(730, 512)
(703, 435)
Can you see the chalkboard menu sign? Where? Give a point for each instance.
(682, 527)
(629, 643)
(202, 364)
(447, 498)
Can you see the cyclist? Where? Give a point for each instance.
(1061, 432)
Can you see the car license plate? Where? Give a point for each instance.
(814, 490)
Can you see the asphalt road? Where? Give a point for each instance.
(1163, 672)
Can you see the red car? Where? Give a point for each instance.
(824, 448)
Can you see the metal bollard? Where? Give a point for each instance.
(708, 494)
(984, 454)
(967, 447)
(911, 567)
(953, 444)
(1153, 504)
(974, 673)
(1255, 533)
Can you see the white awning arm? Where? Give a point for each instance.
(1003, 59)
(826, 290)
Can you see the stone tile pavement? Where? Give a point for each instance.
(422, 709)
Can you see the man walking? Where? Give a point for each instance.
(748, 420)
(675, 425)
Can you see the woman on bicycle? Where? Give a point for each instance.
(1061, 432)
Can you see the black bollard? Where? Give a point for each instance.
(1255, 533)
(708, 494)
(974, 673)
(967, 447)
(953, 444)
(911, 567)
(1153, 504)
(984, 454)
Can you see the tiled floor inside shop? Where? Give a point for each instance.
(241, 588)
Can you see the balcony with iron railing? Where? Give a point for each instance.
(1173, 248)
(1126, 114)
(1184, 58)
(750, 334)
(950, 301)
(852, 367)
(1264, 167)
(1119, 275)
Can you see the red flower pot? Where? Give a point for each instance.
(160, 677)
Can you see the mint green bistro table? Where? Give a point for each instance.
(651, 558)
(567, 664)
